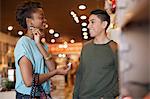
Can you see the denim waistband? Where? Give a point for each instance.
(25, 96)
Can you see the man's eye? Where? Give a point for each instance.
(92, 22)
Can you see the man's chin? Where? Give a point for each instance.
(42, 29)
(91, 35)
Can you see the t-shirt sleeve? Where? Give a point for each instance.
(78, 79)
(22, 49)
(46, 46)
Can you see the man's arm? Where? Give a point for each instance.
(77, 81)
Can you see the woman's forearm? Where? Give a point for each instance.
(49, 62)
(45, 77)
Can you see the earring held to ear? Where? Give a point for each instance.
(31, 28)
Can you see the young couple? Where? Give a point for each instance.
(97, 75)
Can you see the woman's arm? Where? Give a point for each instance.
(48, 58)
(26, 71)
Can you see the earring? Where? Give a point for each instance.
(30, 27)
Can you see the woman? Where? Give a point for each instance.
(31, 55)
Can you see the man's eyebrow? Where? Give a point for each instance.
(91, 19)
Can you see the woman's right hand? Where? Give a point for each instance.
(36, 34)
(62, 70)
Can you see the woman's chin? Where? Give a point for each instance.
(43, 35)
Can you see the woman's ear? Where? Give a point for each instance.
(29, 21)
(105, 24)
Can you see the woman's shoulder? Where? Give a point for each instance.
(23, 40)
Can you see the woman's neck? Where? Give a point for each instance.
(29, 34)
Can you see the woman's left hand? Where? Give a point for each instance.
(62, 70)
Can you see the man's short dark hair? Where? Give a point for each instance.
(103, 15)
(25, 10)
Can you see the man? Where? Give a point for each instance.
(97, 75)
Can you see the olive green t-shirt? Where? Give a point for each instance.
(97, 74)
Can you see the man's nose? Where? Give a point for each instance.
(88, 26)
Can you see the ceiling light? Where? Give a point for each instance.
(76, 18)
(82, 7)
(83, 17)
(10, 28)
(51, 31)
(84, 24)
(77, 21)
(56, 35)
(20, 32)
(72, 13)
(65, 45)
(84, 29)
(85, 33)
(85, 37)
(52, 40)
(72, 41)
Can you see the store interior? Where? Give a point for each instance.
(66, 36)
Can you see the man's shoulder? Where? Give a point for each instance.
(88, 42)
(113, 45)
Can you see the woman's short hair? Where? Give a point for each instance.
(103, 15)
(25, 10)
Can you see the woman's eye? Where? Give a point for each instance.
(41, 17)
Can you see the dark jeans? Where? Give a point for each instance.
(24, 96)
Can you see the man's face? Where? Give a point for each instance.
(95, 26)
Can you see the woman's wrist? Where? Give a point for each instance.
(38, 43)
(52, 73)
(49, 56)
(45, 54)
(56, 72)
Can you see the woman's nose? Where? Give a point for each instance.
(45, 20)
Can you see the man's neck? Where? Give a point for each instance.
(101, 39)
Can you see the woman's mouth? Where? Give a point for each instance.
(45, 25)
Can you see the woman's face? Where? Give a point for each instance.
(95, 26)
(38, 19)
